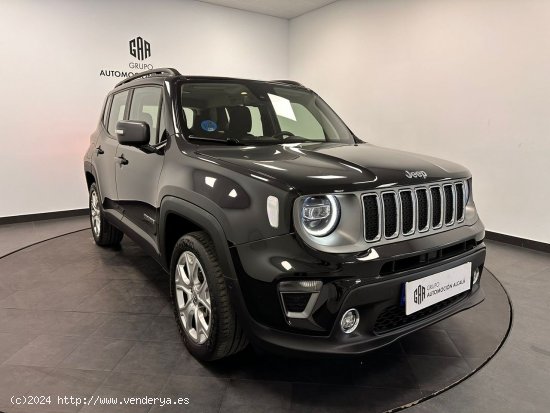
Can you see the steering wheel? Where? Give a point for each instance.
(283, 134)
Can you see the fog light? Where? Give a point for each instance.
(476, 276)
(350, 321)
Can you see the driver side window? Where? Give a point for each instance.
(145, 107)
(118, 108)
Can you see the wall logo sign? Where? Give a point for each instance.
(140, 48)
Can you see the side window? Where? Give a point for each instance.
(145, 108)
(118, 107)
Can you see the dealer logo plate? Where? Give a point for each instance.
(430, 290)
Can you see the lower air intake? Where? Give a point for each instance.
(394, 317)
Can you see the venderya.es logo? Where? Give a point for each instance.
(140, 48)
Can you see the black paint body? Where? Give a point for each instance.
(159, 194)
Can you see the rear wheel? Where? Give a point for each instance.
(104, 233)
(206, 320)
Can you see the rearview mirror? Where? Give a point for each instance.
(132, 132)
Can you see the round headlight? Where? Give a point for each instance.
(320, 214)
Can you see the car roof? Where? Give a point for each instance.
(158, 76)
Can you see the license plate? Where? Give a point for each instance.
(430, 290)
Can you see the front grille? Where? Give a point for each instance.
(394, 317)
(409, 212)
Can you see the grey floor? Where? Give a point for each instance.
(16, 236)
(517, 379)
(83, 339)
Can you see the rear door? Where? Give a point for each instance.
(104, 155)
(137, 177)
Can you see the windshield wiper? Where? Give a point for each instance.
(298, 139)
(230, 141)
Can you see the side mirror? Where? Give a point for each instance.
(132, 132)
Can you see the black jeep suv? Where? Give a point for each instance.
(276, 223)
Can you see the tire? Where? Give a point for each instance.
(194, 254)
(105, 234)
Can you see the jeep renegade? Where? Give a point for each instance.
(277, 225)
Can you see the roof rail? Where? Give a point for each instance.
(160, 71)
(289, 82)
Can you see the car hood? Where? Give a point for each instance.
(323, 168)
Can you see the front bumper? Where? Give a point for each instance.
(347, 283)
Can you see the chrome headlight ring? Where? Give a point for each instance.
(320, 215)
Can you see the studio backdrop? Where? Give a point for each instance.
(61, 57)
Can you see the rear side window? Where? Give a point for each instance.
(145, 107)
(118, 108)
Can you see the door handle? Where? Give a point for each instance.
(121, 160)
(99, 151)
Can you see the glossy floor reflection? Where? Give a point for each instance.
(76, 319)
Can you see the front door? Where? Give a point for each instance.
(138, 169)
(105, 152)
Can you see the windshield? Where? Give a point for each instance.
(258, 113)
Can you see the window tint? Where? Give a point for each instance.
(145, 108)
(118, 107)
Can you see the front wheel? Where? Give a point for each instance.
(205, 318)
(104, 233)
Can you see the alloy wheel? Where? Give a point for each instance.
(193, 297)
(95, 213)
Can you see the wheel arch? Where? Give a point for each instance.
(179, 217)
(89, 172)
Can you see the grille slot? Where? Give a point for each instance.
(407, 212)
(459, 202)
(437, 216)
(390, 215)
(412, 211)
(423, 209)
(449, 204)
(372, 217)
